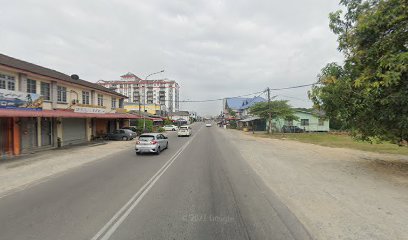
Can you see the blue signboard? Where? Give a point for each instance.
(20, 100)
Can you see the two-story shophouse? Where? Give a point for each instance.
(41, 108)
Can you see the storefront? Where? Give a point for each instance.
(25, 131)
(73, 131)
(29, 136)
(104, 126)
(6, 136)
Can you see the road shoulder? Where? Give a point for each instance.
(31, 170)
(336, 193)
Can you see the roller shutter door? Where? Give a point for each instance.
(73, 131)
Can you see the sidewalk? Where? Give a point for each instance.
(336, 193)
(31, 169)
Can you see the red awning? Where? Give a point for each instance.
(63, 114)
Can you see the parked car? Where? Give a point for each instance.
(121, 134)
(208, 125)
(151, 143)
(133, 129)
(292, 129)
(170, 128)
(184, 131)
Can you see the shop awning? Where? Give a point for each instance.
(63, 114)
(232, 118)
(249, 119)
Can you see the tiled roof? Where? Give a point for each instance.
(36, 69)
(243, 103)
(251, 101)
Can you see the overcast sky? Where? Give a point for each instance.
(211, 48)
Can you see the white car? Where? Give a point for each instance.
(170, 128)
(208, 125)
(151, 143)
(184, 131)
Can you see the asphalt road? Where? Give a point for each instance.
(199, 188)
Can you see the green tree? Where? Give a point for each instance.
(167, 121)
(139, 125)
(278, 109)
(231, 112)
(368, 93)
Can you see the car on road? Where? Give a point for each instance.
(133, 129)
(121, 134)
(151, 143)
(292, 129)
(184, 131)
(170, 128)
(208, 124)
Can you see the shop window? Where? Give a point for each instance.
(2, 84)
(7, 82)
(100, 100)
(31, 86)
(304, 122)
(45, 91)
(85, 97)
(62, 94)
(113, 103)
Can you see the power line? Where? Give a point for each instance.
(245, 95)
(219, 99)
(299, 86)
(300, 99)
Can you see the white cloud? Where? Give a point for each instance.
(212, 48)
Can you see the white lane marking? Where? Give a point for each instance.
(112, 225)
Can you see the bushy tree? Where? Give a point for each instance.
(369, 92)
(277, 109)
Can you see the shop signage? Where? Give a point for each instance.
(20, 100)
(89, 110)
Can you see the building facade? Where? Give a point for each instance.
(41, 108)
(164, 93)
(153, 109)
(309, 121)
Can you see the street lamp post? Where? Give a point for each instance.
(145, 99)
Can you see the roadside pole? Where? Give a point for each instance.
(269, 111)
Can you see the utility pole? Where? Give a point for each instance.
(269, 111)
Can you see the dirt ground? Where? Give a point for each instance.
(337, 193)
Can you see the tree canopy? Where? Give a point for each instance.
(279, 109)
(368, 93)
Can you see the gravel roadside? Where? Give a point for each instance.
(336, 193)
(30, 170)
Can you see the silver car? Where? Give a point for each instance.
(151, 143)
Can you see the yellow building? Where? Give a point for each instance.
(153, 109)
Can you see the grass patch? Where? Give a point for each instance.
(341, 141)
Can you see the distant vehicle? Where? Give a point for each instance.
(292, 129)
(170, 128)
(184, 131)
(151, 143)
(208, 125)
(133, 129)
(121, 134)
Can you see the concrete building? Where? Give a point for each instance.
(153, 109)
(41, 108)
(309, 121)
(164, 93)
